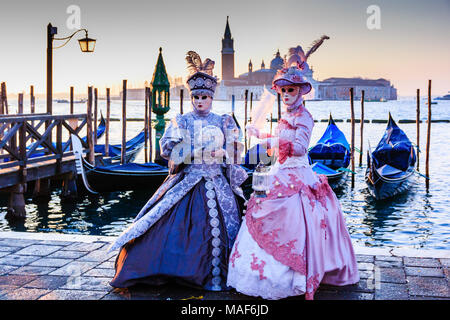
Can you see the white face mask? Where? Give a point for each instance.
(202, 103)
(289, 94)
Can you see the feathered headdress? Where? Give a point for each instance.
(295, 66)
(297, 55)
(195, 64)
(201, 79)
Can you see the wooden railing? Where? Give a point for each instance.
(27, 139)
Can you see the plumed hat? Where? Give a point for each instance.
(295, 66)
(201, 80)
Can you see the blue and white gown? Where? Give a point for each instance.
(186, 230)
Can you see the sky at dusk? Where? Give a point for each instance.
(412, 46)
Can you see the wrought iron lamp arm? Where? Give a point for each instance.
(68, 38)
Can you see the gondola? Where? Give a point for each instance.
(390, 167)
(331, 155)
(132, 148)
(119, 177)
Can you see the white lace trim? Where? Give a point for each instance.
(293, 162)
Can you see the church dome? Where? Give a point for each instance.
(277, 62)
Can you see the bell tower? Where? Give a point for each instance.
(227, 54)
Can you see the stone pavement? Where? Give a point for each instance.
(37, 266)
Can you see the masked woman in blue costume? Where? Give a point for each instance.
(186, 230)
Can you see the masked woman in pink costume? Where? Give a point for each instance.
(294, 238)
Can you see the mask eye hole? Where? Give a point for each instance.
(204, 97)
(196, 97)
(283, 90)
(291, 90)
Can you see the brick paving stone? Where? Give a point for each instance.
(364, 258)
(17, 260)
(364, 285)
(388, 264)
(97, 272)
(427, 298)
(445, 262)
(424, 272)
(8, 248)
(97, 255)
(364, 266)
(48, 282)
(335, 295)
(50, 262)
(73, 295)
(81, 246)
(16, 242)
(4, 289)
(392, 275)
(88, 283)
(366, 274)
(33, 270)
(16, 280)
(106, 265)
(4, 269)
(74, 268)
(66, 254)
(388, 258)
(38, 250)
(55, 242)
(421, 262)
(25, 294)
(428, 286)
(391, 291)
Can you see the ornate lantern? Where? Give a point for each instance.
(160, 102)
(260, 180)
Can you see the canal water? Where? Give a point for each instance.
(415, 219)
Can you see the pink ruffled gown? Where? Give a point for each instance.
(296, 237)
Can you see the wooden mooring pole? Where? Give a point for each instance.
(245, 120)
(352, 112)
(150, 127)
(4, 98)
(418, 128)
(95, 114)
(427, 157)
(146, 126)
(124, 122)
(90, 137)
(361, 129)
(279, 106)
(181, 101)
(250, 118)
(108, 116)
(32, 101)
(71, 100)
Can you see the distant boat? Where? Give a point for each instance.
(446, 97)
(331, 155)
(67, 101)
(391, 166)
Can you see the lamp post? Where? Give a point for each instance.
(86, 45)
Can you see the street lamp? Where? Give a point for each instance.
(86, 45)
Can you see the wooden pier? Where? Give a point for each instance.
(27, 153)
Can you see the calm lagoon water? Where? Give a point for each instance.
(416, 219)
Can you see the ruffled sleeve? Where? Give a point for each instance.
(172, 136)
(303, 128)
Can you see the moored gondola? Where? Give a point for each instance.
(390, 167)
(331, 155)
